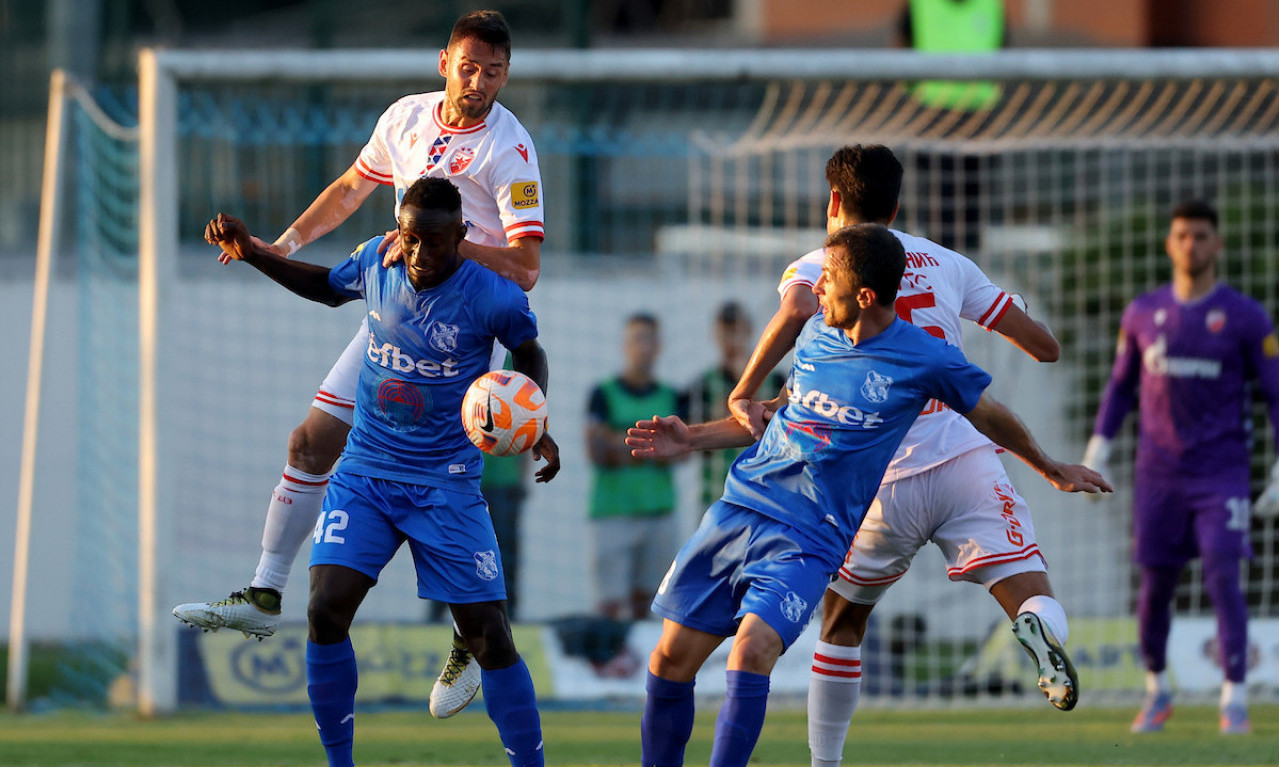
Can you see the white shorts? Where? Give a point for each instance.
(337, 391)
(631, 555)
(967, 506)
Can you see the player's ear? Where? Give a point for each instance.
(833, 205)
(444, 63)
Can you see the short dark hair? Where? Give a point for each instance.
(868, 178)
(430, 193)
(486, 26)
(1196, 210)
(643, 318)
(730, 313)
(873, 255)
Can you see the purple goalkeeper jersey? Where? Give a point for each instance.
(1189, 365)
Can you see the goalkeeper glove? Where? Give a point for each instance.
(1097, 454)
(1267, 505)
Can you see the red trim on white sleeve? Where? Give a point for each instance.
(995, 312)
(372, 175)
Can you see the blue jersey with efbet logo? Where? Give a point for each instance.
(821, 459)
(425, 348)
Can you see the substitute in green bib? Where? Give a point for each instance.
(955, 26)
(633, 527)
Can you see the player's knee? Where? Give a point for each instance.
(755, 654)
(327, 621)
(494, 648)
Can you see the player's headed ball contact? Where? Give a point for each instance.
(504, 412)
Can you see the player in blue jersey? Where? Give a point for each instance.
(409, 472)
(762, 558)
(1187, 353)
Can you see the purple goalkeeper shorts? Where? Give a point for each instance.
(1176, 519)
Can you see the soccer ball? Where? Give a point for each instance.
(504, 412)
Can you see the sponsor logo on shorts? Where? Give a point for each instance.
(486, 565)
(524, 195)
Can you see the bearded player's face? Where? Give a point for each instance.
(474, 72)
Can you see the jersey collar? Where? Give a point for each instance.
(444, 127)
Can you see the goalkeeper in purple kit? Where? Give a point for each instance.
(1186, 356)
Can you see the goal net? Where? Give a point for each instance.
(674, 182)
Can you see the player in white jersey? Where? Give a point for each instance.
(464, 135)
(945, 483)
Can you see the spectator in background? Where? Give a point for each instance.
(708, 396)
(632, 501)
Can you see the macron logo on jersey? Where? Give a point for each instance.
(821, 404)
(389, 356)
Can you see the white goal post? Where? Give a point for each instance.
(747, 178)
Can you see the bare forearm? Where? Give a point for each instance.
(717, 435)
(1002, 426)
(520, 263)
(776, 341)
(333, 206)
(306, 280)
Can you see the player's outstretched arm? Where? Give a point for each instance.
(797, 305)
(529, 358)
(669, 437)
(307, 280)
(1029, 335)
(1004, 428)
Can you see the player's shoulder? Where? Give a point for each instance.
(367, 250)
(503, 121)
(481, 280)
(1151, 300)
(926, 251)
(413, 104)
(807, 268)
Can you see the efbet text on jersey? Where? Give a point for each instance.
(821, 404)
(389, 356)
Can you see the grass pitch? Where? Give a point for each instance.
(1035, 736)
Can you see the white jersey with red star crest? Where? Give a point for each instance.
(939, 287)
(493, 165)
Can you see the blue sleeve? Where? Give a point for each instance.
(959, 383)
(507, 315)
(347, 277)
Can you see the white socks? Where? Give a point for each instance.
(1050, 612)
(1233, 694)
(1157, 682)
(290, 519)
(833, 691)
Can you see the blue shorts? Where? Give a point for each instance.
(1177, 519)
(740, 562)
(449, 533)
